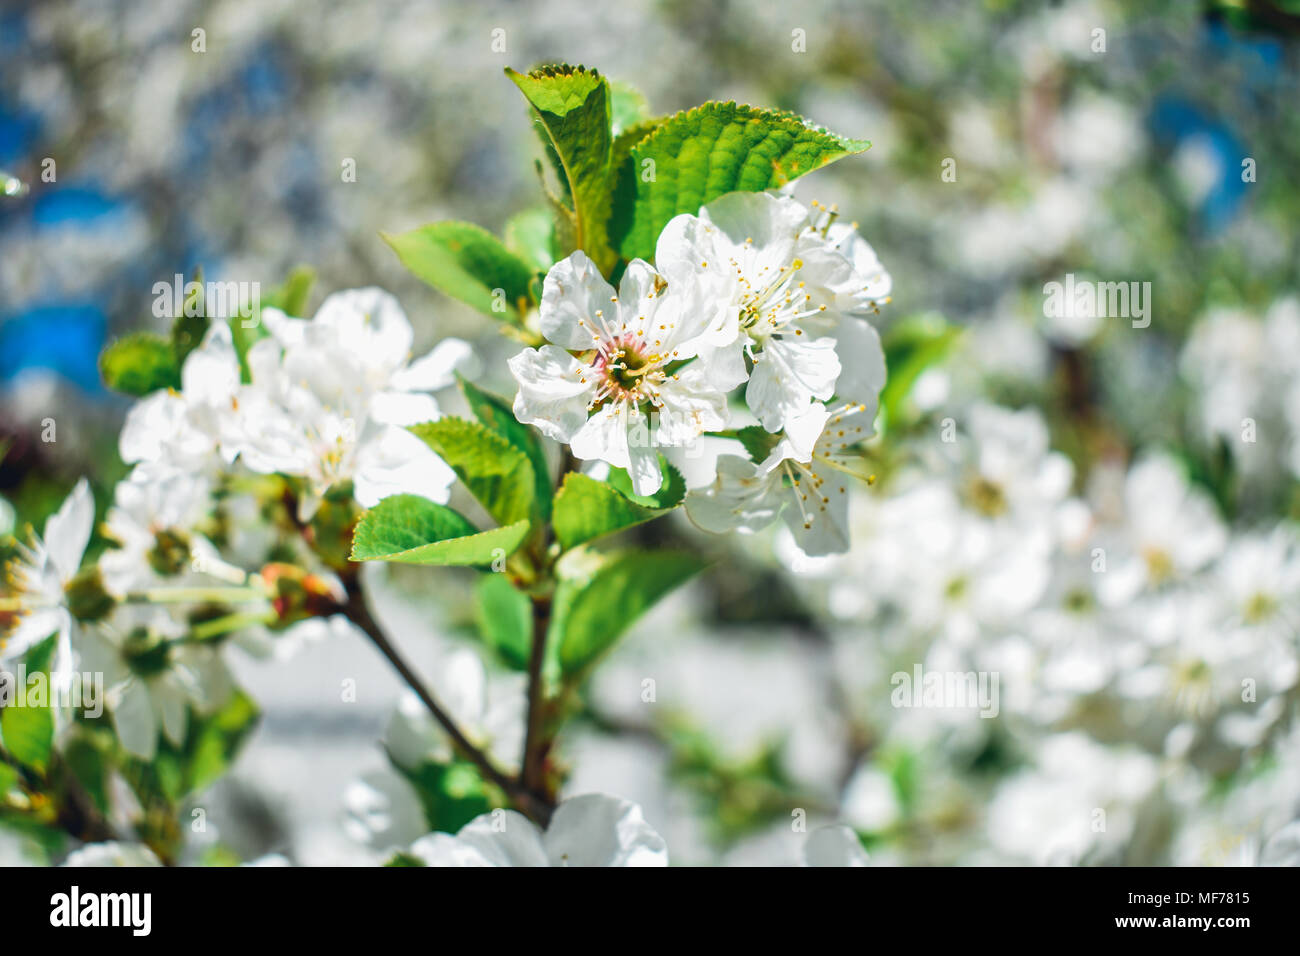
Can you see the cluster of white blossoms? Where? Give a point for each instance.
(757, 291)
(327, 401)
(1245, 371)
(1132, 632)
(325, 404)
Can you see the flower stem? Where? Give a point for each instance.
(535, 746)
(215, 595)
(533, 804)
(231, 622)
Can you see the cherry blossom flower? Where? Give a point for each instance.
(805, 478)
(331, 396)
(626, 393)
(588, 830)
(39, 580)
(796, 293)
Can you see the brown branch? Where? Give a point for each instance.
(532, 804)
(535, 747)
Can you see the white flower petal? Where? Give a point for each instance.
(133, 717)
(862, 362)
(572, 295)
(210, 374)
(604, 436)
(403, 408)
(504, 838)
(368, 323)
(551, 395)
(67, 531)
(397, 462)
(787, 376)
(435, 370)
(769, 222)
(834, 846)
(598, 830)
(819, 514)
(741, 498)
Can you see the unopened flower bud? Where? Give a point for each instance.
(297, 594)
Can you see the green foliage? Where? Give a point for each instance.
(911, 346)
(701, 154)
(504, 617)
(740, 794)
(758, 441)
(212, 742)
(530, 235)
(628, 107)
(590, 616)
(88, 754)
(467, 263)
(402, 858)
(495, 471)
(28, 731)
(587, 509)
(290, 297)
(451, 794)
(496, 414)
(572, 106)
(140, 363)
(409, 529)
(8, 779)
(191, 325)
(670, 494)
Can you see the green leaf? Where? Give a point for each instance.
(758, 441)
(505, 619)
(214, 740)
(714, 149)
(587, 509)
(292, 296)
(8, 779)
(140, 363)
(467, 263)
(187, 335)
(530, 235)
(588, 618)
(28, 731)
(451, 794)
(497, 415)
(911, 346)
(88, 757)
(572, 106)
(409, 529)
(670, 493)
(628, 106)
(28, 734)
(497, 473)
(402, 858)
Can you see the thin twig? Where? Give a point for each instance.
(534, 747)
(531, 803)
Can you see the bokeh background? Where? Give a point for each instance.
(1117, 163)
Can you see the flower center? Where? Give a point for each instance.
(627, 374)
(1260, 607)
(146, 654)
